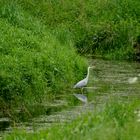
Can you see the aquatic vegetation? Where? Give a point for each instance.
(115, 121)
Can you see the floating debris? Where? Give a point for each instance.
(137, 113)
(132, 80)
(138, 120)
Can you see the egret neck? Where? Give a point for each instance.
(88, 74)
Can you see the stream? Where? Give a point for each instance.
(108, 79)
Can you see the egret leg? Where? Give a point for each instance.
(82, 90)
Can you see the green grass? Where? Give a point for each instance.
(107, 28)
(117, 120)
(36, 63)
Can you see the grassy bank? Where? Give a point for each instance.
(104, 28)
(36, 63)
(117, 120)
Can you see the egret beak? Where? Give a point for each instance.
(92, 67)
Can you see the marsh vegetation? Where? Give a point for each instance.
(44, 50)
(112, 111)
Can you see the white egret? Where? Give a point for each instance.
(83, 82)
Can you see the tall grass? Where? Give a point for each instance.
(36, 63)
(116, 121)
(107, 28)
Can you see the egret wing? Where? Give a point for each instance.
(81, 83)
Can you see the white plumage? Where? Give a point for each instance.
(83, 82)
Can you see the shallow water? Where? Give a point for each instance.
(108, 79)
